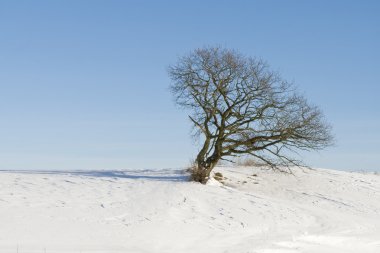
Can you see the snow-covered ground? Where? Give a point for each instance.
(255, 210)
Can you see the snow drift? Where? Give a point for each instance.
(252, 210)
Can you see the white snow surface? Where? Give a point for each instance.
(253, 210)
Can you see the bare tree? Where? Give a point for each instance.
(240, 107)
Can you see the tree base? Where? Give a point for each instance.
(200, 175)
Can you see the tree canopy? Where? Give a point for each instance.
(240, 107)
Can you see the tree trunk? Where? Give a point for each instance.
(201, 174)
(203, 170)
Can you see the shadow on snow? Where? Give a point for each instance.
(154, 175)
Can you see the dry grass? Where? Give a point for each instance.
(249, 162)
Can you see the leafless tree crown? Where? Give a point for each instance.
(242, 107)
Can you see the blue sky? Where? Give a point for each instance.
(83, 84)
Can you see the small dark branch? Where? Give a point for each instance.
(225, 159)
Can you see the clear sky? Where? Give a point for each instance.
(83, 84)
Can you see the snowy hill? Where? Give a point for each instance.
(254, 210)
